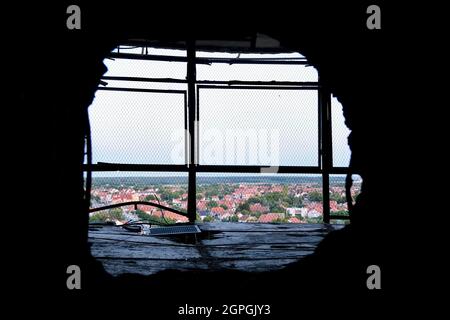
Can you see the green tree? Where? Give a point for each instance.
(280, 220)
(159, 220)
(98, 217)
(243, 206)
(315, 196)
(116, 214)
(233, 218)
(338, 198)
(253, 200)
(168, 195)
(278, 209)
(314, 220)
(296, 201)
(111, 215)
(211, 204)
(142, 215)
(208, 219)
(212, 191)
(256, 214)
(199, 196)
(273, 196)
(339, 213)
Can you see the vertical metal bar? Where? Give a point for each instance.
(191, 78)
(329, 130)
(186, 134)
(88, 190)
(319, 113)
(325, 107)
(197, 129)
(326, 197)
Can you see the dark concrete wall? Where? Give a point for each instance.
(354, 62)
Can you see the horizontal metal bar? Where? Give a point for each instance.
(101, 166)
(134, 56)
(267, 87)
(135, 203)
(242, 49)
(155, 44)
(139, 79)
(201, 168)
(215, 82)
(273, 61)
(314, 85)
(258, 169)
(142, 90)
(289, 61)
(201, 47)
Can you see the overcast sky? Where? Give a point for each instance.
(251, 126)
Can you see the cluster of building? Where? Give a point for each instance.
(224, 207)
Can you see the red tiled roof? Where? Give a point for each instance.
(258, 207)
(218, 210)
(295, 220)
(269, 217)
(170, 215)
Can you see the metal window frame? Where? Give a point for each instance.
(191, 119)
(233, 168)
(144, 90)
(207, 60)
(325, 149)
(312, 84)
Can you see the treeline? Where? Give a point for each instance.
(276, 202)
(116, 214)
(110, 215)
